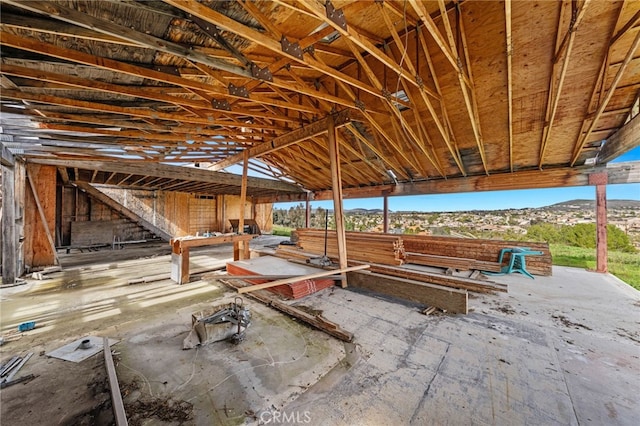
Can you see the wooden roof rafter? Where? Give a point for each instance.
(564, 47)
(602, 105)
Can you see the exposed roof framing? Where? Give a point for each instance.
(428, 92)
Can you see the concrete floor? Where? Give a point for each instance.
(554, 350)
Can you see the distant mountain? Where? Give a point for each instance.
(591, 204)
(362, 211)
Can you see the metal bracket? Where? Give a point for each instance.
(310, 50)
(292, 48)
(387, 95)
(222, 104)
(336, 15)
(238, 91)
(360, 105)
(419, 81)
(166, 69)
(261, 73)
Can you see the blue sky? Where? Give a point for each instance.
(491, 200)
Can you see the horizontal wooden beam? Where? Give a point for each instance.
(625, 139)
(172, 172)
(7, 157)
(627, 172)
(312, 130)
(84, 20)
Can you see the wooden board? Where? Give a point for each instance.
(449, 299)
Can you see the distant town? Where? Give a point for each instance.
(503, 224)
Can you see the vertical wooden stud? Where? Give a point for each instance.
(336, 182)
(600, 181)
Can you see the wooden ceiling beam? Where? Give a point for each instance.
(509, 43)
(445, 128)
(84, 20)
(136, 112)
(37, 46)
(374, 123)
(556, 82)
(415, 138)
(349, 32)
(223, 21)
(618, 173)
(82, 83)
(32, 23)
(469, 90)
(171, 172)
(605, 101)
(424, 16)
(313, 129)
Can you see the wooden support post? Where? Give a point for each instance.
(9, 241)
(336, 182)
(179, 263)
(600, 181)
(243, 245)
(307, 215)
(385, 215)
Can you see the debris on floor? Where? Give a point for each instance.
(80, 349)
(228, 321)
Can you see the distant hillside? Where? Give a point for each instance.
(362, 211)
(591, 204)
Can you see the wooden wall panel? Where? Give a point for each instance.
(177, 213)
(37, 251)
(263, 215)
(202, 215)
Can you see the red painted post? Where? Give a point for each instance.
(600, 181)
(385, 216)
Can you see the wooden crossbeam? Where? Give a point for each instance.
(626, 172)
(173, 172)
(314, 129)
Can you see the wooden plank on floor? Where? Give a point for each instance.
(116, 396)
(317, 321)
(449, 299)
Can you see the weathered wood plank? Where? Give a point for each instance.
(116, 397)
(317, 321)
(325, 273)
(7, 156)
(450, 299)
(9, 241)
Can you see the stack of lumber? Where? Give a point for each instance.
(459, 263)
(478, 286)
(386, 249)
(295, 290)
(480, 250)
